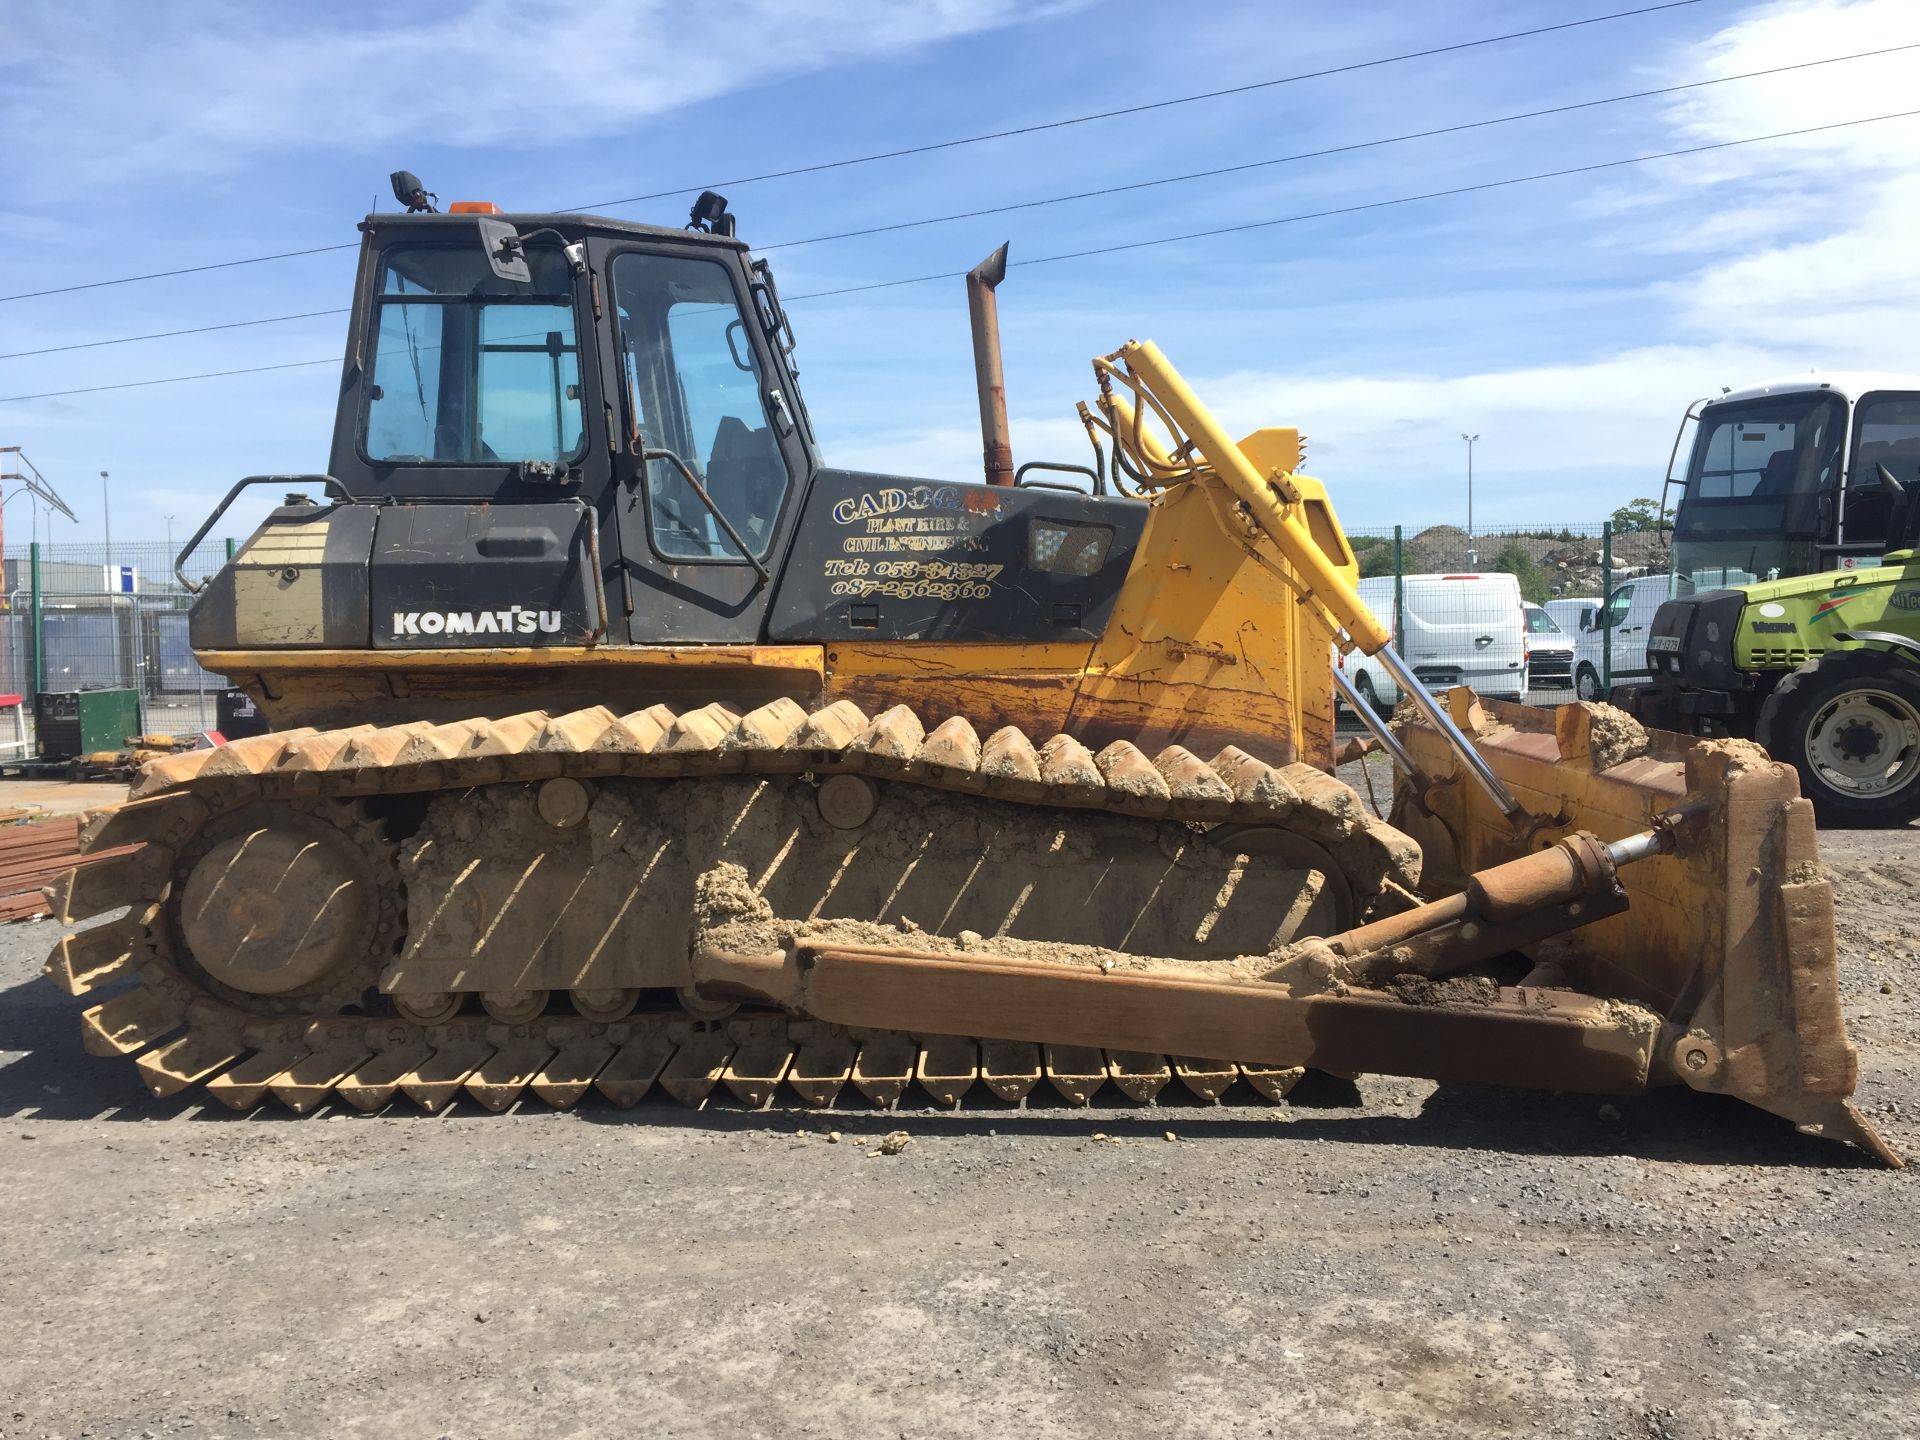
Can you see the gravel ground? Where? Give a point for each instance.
(1386, 1258)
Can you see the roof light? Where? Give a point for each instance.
(473, 207)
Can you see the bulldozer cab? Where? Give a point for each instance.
(562, 439)
(636, 373)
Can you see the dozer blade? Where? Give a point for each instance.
(1729, 943)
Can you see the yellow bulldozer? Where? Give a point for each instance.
(623, 744)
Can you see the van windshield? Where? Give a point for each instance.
(1541, 623)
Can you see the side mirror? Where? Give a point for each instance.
(506, 257)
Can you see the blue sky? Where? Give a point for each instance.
(1568, 322)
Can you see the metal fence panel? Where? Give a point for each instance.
(79, 618)
(1565, 641)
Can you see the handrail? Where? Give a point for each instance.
(686, 472)
(331, 485)
(1064, 467)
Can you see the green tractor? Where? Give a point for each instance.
(1823, 670)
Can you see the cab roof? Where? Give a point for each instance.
(586, 225)
(1849, 385)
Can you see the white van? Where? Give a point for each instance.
(1368, 675)
(1550, 651)
(1628, 613)
(1459, 630)
(1574, 613)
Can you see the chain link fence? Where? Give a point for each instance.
(81, 617)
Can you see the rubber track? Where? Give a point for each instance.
(179, 1036)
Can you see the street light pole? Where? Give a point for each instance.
(1473, 558)
(106, 517)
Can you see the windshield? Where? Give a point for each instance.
(1541, 623)
(469, 369)
(1751, 507)
(693, 387)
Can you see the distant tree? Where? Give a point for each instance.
(1641, 514)
(1375, 554)
(1513, 559)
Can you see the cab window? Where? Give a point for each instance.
(693, 388)
(469, 369)
(1886, 431)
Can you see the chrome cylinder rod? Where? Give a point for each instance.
(1370, 718)
(1639, 847)
(1437, 716)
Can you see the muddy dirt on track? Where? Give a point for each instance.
(1386, 1258)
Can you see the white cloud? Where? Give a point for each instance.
(236, 81)
(1815, 232)
(952, 452)
(1379, 439)
(1791, 255)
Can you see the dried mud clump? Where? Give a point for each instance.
(1615, 737)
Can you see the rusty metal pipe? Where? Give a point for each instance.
(983, 310)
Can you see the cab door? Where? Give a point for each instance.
(711, 465)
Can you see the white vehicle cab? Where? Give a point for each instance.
(1628, 613)
(1550, 652)
(1574, 613)
(1784, 478)
(1465, 629)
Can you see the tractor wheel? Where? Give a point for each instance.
(1850, 724)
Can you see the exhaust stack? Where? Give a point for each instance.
(984, 311)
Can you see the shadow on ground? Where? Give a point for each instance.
(53, 1078)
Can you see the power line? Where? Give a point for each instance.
(184, 270)
(924, 221)
(174, 379)
(1332, 150)
(1356, 209)
(1377, 204)
(1149, 105)
(841, 164)
(171, 334)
